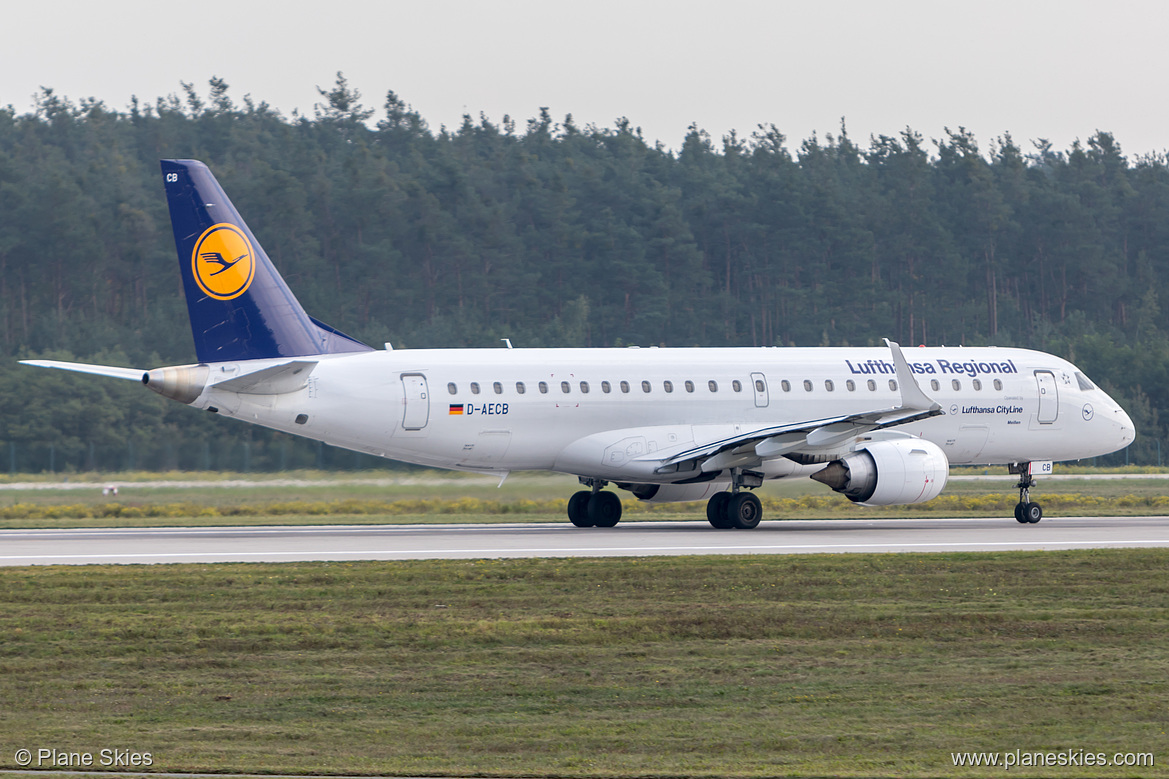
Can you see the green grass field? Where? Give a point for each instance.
(850, 665)
(427, 496)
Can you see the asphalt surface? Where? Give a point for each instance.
(628, 539)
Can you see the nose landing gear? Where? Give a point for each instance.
(1027, 512)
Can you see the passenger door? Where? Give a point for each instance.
(416, 401)
(1048, 397)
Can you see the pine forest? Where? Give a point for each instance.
(548, 233)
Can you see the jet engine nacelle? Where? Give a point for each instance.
(886, 473)
(674, 493)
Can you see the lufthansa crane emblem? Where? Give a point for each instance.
(223, 262)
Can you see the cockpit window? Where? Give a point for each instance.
(1082, 380)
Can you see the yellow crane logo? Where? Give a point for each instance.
(223, 262)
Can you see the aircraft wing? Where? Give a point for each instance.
(771, 442)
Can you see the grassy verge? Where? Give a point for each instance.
(805, 666)
(248, 510)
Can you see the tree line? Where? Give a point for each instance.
(554, 234)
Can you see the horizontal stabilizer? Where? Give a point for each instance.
(276, 380)
(133, 374)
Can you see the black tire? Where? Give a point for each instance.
(716, 510)
(1033, 512)
(745, 511)
(578, 509)
(604, 509)
(1019, 517)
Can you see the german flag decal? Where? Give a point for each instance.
(456, 409)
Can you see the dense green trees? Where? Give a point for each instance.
(554, 235)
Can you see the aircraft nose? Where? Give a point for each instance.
(1128, 431)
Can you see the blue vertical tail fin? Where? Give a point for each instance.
(240, 308)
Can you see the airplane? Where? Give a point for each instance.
(879, 425)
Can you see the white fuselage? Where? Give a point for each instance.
(614, 413)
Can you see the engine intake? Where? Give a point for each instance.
(886, 473)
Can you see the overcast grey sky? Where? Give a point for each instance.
(1055, 70)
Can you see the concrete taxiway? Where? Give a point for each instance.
(630, 539)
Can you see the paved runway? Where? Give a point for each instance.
(402, 542)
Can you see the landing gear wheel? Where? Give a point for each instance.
(578, 509)
(745, 511)
(716, 510)
(1026, 512)
(604, 509)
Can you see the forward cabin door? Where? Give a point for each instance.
(1048, 397)
(759, 384)
(416, 401)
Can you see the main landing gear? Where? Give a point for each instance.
(1026, 512)
(736, 509)
(726, 510)
(594, 508)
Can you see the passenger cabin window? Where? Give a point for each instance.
(668, 386)
(934, 385)
(872, 386)
(625, 386)
(645, 386)
(737, 385)
(977, 385)
(543, 388)
(957, 385)
(807, 385)
(451, 388)
(606, 387)
(565, 387)
(498, 388)
(520, 388)
(712, 385)
(786, 385)
(851, 385)
(474, 388)
(998, 385)
(689, 385)
(584, 387)
(828, 385)
(892, 385)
